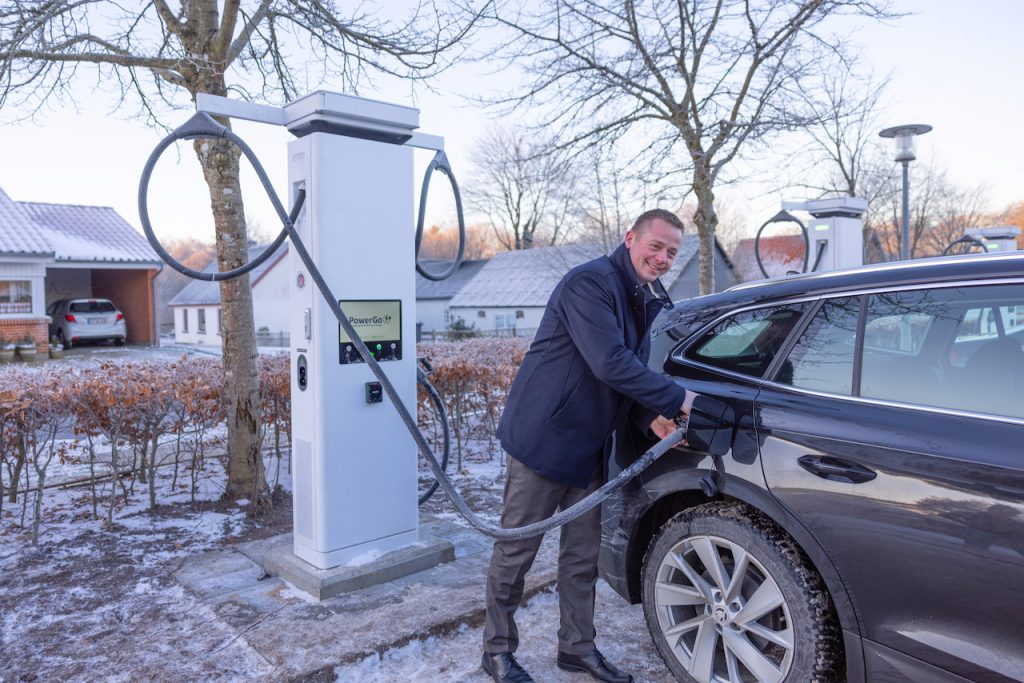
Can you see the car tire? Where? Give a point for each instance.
(775, 622)
(119, 341)
(66, 343)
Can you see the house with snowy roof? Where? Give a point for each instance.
(508, 295)
(433, 298)
(197, 310)
(63, 251)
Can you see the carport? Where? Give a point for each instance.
(132, 288)
(80, 252)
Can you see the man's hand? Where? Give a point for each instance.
(662, 426)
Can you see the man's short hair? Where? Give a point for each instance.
(647, 216)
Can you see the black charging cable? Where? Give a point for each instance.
(440, 163)
(202, 125)
(786, 217)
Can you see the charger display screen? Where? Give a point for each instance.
(378, 323)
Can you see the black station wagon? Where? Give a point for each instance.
(863, 517)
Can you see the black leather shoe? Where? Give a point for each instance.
(594, 664)
(504, 668)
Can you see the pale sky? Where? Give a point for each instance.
(956, 66)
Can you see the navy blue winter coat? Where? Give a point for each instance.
(586, 368)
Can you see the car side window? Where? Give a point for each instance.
(896, 326)
(747, 342)
(957, 347)
(982, 324)
(823, 357)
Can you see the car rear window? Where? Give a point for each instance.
(97, 306)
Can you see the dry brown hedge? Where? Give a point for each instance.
(120, 412)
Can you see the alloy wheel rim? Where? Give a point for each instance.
(722, 614)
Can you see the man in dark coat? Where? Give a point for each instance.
(585, 372)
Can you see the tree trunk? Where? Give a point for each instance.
(246, 479)
(707, 224)
(19, 464)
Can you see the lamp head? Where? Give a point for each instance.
(904, 136)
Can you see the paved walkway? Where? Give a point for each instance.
(302, 639)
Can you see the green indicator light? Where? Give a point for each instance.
(379, 347)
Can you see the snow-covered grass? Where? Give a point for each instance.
(92, 602)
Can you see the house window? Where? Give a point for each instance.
(520, 315)
(481, 314)
(201, 321)
(184, 320)
(15, 296)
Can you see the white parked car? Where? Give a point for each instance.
(76, 320)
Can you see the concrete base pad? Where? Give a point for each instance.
(280, 560)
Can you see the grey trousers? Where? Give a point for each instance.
(529, 498)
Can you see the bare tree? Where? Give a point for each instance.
(1012, 215)
(442, 242)
(156, 54)
(939, 210)
(526, 189)
(612, 191)
(845, 149)
(733, 224)
(697, 82)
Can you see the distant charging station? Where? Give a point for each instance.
(354, 464)
(836, 231)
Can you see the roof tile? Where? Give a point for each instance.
(528, 276)
(89, 233)
(19, 234)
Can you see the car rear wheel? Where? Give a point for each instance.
(730, 598)
(118, 341)
(65, 342)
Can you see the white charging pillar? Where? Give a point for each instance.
(996, 239)
(354, 464)
(837, 226)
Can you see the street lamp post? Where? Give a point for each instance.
(904, 136)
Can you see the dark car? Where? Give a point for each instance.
(863, 519)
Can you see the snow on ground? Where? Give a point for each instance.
(98, 603)
(621, 635)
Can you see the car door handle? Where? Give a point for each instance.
(834, 469)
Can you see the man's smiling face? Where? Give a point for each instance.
(653, 248)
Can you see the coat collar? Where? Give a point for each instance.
(620, 259)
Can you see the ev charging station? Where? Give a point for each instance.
(835, 238)
(836, 231)
(996, 239)
(354, 463)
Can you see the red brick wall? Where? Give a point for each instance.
(132, 292)
(15, 330)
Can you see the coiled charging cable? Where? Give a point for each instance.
(202, 125)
